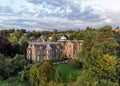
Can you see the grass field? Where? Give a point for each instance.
(66, 70)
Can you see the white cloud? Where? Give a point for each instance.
(108, 20)
(56, 14)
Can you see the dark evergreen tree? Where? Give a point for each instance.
(5, 46)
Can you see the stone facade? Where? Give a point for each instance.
(71, 47)
(43, 49)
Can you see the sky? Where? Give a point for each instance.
(45, 15)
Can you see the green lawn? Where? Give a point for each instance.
(67, 69)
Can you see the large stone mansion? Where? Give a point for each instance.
(43, 48)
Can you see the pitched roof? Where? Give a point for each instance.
(46, 45)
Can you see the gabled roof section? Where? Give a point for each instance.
(48, 47)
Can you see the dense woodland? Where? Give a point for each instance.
(98, 64)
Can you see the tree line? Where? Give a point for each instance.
(99, 58)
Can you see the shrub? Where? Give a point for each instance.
(75, 63)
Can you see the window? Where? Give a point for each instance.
(53, 53)
(47, 52)
(37, 53)
(75, 50)
(38, 58)
(56, 50)
(43, 51)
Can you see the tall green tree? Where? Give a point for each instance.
(97, 44)
(5, 46)
(17, 33)
(80, 36)
(23, 39)
(41, 75)
(53, 83)
(54, 37)
(13, 39)
(22, 48)
(57, 76)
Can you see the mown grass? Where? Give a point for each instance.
(66, 70)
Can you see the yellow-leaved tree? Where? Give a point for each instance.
(107, 63)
